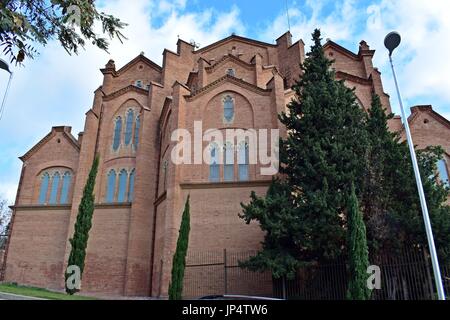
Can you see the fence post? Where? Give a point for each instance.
(284, 287)
(225, 275)
(427, 266)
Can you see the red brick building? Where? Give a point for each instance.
(140, 193)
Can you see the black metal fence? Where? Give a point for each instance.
(407, 275)
(217, 273)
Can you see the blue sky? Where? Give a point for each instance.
(57, 89)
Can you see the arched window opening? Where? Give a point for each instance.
(54, 189)
(67, 178)
(214, 164)
(228, 168)
(44, 188)
(123, 177)
(117, 133)
(136, 131)
(111, 186)
(243, 161)
(129, 127)
(131, 187)
(228, 109)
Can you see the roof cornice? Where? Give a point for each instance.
(230, 57)
(130, 88)
(237, 38)
(234, 80)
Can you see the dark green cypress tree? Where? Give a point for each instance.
(179, 258)
(357, 251)
(83, 224)
(390, 201)
(324, 152)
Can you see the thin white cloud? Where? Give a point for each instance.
(421, 59)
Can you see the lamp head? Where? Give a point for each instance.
(392, 41)
(4, 66)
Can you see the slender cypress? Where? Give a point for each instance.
(179, 258)
(358, 251)
(83, 225)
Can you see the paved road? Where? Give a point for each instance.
(10, 296)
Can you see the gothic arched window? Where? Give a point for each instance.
(243, 161)
(228, 109)
(67, 178)
(214, 164)
(123, 177)
(136, 131)
(228, 167)
(129, 127)
(117, 133)
(111, 186)
(54, 189)
(44, 188)
(131, 186)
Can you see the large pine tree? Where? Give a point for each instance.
(358, 253)
(82, 225)
(179, 258)
(324, 152)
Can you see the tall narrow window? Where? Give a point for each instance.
(117, 133)
(228, 109)
(228, 168)
(54, 190)
(67, 178)
(131, 186)
(44, 188)
(123, 177)
(214, 165)
(111, 186)
(136, 131)
(165, 166)
(129, 127)
(243, 161)
(443, 173)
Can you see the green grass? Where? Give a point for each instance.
(39, 293)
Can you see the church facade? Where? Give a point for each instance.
(140, 192)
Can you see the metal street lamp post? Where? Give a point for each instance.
(391, 42)
(4, 66)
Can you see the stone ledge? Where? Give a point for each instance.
(218, 185)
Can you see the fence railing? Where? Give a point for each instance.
(217, 273)
(407, 275)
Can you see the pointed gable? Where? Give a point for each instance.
(63, 132)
